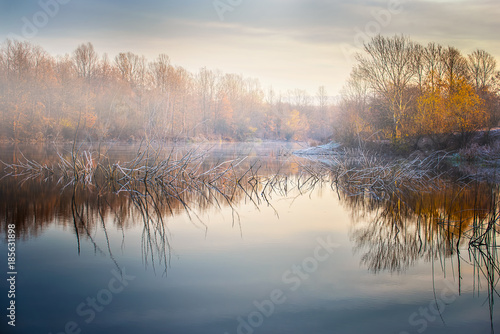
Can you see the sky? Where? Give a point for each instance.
(286, 44)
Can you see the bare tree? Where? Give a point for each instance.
(389, 70)
(481, 66)
(129, 65)
(434, 68)
(18, 58)
(207, 90)
(419, 65)
(322, 98)
(298, 98)
(86, 60)
(455, 66)
(160, 72)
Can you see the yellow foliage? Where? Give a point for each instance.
(441, 110)
(432, 115)
(296, 126)
(66, 123)
(466, 108)
(89, 119)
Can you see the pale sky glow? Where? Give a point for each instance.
(288, 44)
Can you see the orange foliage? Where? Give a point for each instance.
(466, 108)
(296, 126)
(442, 110)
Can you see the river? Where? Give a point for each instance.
(292, 254)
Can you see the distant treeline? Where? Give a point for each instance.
(88, 96)
(400, 90)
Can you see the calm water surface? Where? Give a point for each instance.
(309, 260)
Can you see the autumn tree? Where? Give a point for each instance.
(402, 90)
(160, 70)
(353, 109)
(296, 126)
(466, 108)
(432, 116)
(85, 96)
(85, 59)
(207, 91)
(224, 122)
(270, 122)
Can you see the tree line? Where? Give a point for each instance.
(400, 90)
(85, 95)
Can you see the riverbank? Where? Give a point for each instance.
(478, 158)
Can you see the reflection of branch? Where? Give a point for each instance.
(81, 222)
(412, 212)
(73, 211)
(485, 259)
(405, 226)
(101, 216)
(154, 237)
(83, 218)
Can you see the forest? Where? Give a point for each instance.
(401, 91)
(398, 91)
(86, 96)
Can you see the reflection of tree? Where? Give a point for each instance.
(165, 188)
(34, 203)
(401, 212)
(407, 225)
(484, 256)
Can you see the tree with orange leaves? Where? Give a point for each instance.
(224, 118)
(466, 108)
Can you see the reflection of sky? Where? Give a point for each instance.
(291, 44)
(216, 276)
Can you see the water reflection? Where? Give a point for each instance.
(401, 215)
(34, 203)
(407, 225)
(394, 226)
(458, 221)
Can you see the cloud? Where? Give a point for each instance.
(289, 41)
